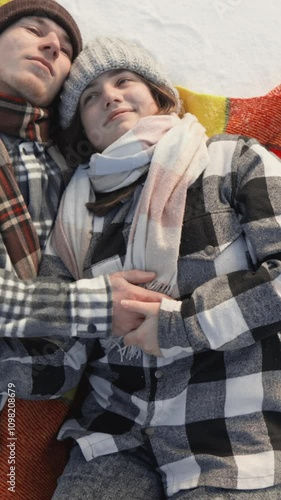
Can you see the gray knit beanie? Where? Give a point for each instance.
(104, 54)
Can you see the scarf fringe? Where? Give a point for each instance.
(126, 351)
(158, 286)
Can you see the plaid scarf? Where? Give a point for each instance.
(18, 118)
(174, 152)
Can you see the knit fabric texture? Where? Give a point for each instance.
(258, 117)
(14, 10)
(40, 457)
(105, 54)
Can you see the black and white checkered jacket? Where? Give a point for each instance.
(209, 410)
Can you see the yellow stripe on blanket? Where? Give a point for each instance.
(211, 110)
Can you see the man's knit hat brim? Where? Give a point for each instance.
(105, 54)
(14, 10)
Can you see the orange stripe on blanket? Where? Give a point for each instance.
(258, 117)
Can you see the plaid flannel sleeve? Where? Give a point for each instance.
(235, 310)
(48, 327)
(50, 307)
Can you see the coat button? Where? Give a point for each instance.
(209, 250)
(149, 431)
(92, 328)
(159, 373)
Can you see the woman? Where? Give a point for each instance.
(188, 404)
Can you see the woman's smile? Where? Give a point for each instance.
(112, 104)
(117, 113)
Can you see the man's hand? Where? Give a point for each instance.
(146, 335)
(125, 287)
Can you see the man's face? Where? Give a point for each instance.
(35, 59)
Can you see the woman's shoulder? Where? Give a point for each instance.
(232, 140)
(228, 148)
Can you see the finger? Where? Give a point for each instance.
(134, 276)
(135, 306)
(145, 295)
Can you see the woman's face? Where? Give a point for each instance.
(112, 104)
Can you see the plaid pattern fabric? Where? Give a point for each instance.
(209, 410)
(18, 233)
(19, 118)
(50, 362)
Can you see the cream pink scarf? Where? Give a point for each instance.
(174, 152)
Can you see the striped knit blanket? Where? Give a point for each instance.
(258, 117)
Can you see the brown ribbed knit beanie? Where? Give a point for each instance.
(14, 10)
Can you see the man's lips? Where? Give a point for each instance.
(44, 62)
(117, 112)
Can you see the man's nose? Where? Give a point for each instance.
(50, 44)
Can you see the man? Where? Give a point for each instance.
(38, 41)
(37, 46)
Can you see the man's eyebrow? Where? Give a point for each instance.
(42, 21)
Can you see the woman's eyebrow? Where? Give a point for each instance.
(112, 72)
(91, 85)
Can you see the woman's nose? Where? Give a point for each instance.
(111, 94)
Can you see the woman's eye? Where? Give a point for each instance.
(123, 80)
(90, 97)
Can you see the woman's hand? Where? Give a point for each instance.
(146, 335)
(125, 286)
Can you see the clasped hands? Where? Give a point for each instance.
(136, 310)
